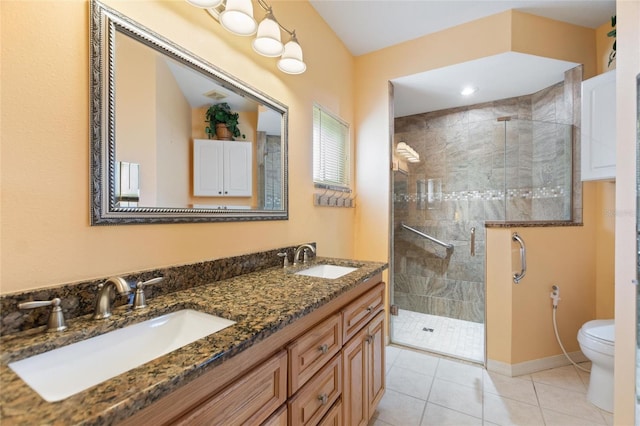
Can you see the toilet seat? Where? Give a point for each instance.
(598, 335)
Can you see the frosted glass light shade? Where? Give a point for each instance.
(205, 4)
(267, 42)
(291, 61)
(237, 17)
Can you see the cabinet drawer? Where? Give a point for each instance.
(315, 399)
(251, 399)
(279, 418)
(311, 351)
(334, 416)
(359, 312)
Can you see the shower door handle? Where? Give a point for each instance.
(473, 241)
(523, 258)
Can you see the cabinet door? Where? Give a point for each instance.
(375, 358)
(354, 394)
(238, 176)
(250, 400)
(598, 132)
(207, 167)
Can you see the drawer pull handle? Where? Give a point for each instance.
(324, 349)
(369, 309)
(323, 399)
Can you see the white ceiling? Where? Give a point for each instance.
(368, 25)
(496, 77)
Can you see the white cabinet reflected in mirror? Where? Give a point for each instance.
(223, 169)
(149, 103)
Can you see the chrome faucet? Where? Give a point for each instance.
(106, 295)
(303, 248)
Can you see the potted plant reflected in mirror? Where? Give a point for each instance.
(223, 123)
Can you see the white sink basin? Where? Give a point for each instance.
(62, 372)
(326, 271)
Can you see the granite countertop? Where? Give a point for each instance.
(261, 303)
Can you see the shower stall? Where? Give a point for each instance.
(474, 166)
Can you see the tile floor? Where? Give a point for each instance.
(425, 389)
(448, 336)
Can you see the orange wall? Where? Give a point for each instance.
(540, 36)
(605, 223)
(604, 45)
(519, 317)
(44, 223)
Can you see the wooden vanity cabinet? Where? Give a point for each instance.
(326, 368)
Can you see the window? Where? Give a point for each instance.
(331, 164)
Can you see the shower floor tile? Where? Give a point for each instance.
(447, 336)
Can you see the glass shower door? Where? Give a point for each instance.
(439, 208)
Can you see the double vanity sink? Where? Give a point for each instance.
(126, 368)
(129, 347)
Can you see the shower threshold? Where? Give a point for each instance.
(447, 336)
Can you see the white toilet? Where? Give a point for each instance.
(596, 340)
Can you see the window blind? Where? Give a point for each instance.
(331, 164)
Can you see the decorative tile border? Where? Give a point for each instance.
(489, 194)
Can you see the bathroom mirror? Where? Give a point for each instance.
(149, 98)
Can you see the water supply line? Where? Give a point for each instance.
(555, 296)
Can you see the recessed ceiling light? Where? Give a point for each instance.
(468, 91)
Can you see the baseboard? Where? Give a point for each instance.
(533, 366)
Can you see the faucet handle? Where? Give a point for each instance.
(285, 262)
(56, 318)
(139, 299)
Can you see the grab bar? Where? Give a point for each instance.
(523, 258)
(428, 237)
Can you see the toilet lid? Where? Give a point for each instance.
(600, 329)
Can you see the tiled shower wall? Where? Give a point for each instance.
(465, 149)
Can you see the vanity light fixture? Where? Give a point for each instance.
(236, 16)
(408, 153)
